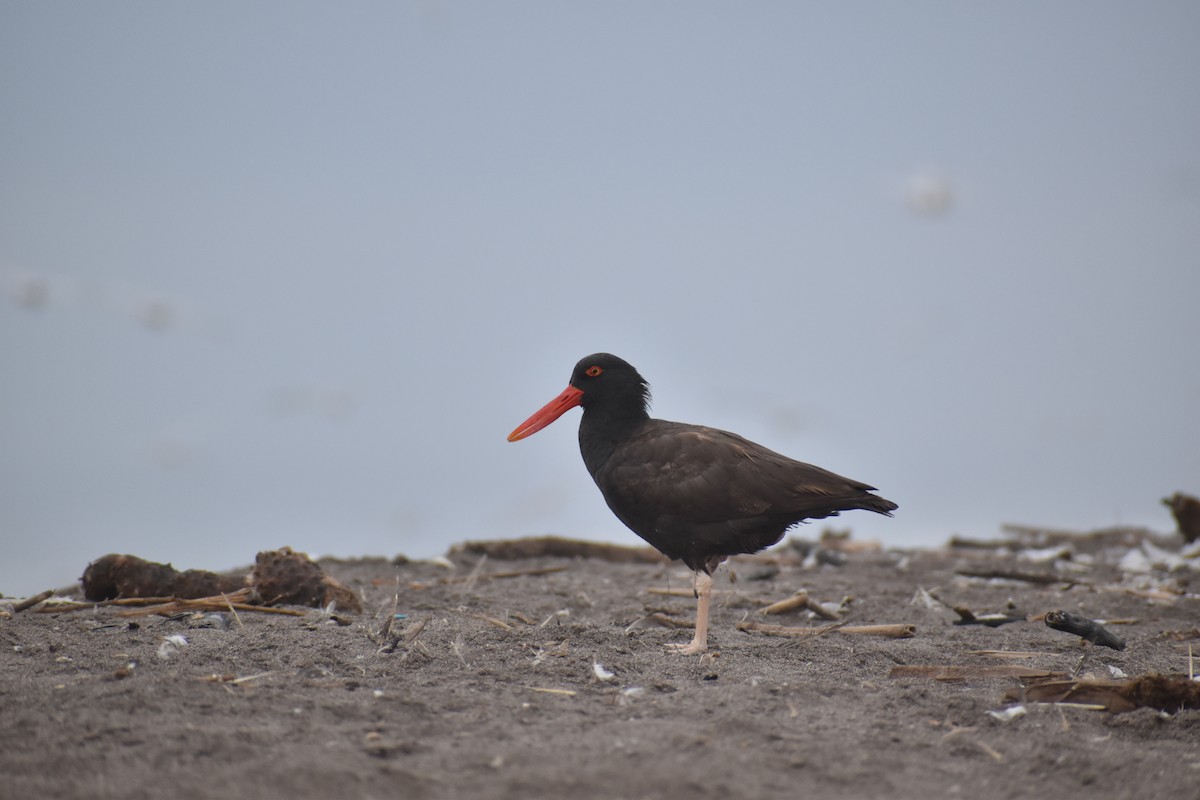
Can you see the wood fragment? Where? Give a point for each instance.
(798, 600)
(521, 573)
(821, 611)
(1088, 629)
(995, 620)
(122, 601)
(1083, 706)
(1019, 575)
(209, 604)
(221, 602)
(967, 543)
(562, 692)
(674, 592)
(899, 630)
(560, 547)
(893, 631)
(670, 622)
(962, 672)
(30, 602)
(1169, 693)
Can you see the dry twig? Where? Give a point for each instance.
(1092, 631)
(30, 602)
(799, 600)
(895, 631)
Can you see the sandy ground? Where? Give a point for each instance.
(498, 694)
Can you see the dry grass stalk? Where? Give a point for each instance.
(232, 610)
(499, 623)
(562, 692)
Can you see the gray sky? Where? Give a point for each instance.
(289, 273)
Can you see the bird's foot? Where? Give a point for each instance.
(692, 648)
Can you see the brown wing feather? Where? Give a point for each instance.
(709, 475)
(695, 492)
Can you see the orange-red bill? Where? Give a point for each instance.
(569, 398)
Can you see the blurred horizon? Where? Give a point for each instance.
(288, 273)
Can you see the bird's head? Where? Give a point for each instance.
(600, 381)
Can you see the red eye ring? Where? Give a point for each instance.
(593, 372)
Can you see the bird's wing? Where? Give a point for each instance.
(700, 475)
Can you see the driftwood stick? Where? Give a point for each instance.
(798, 600)
(1092, 631)
(1019, 575)
(559, 547)
(118, 601)
(221, 602)
(673, 592)
(520, 573)
(209, 605)
(821, 611)
(895, 631)
(899, 630)
(30, 602)
(1168, 693)
(968, 617)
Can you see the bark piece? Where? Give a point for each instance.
(1094, 632)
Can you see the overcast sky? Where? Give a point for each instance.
(288, 273)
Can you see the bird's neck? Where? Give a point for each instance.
(602, 430)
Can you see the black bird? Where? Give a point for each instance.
(696, 494)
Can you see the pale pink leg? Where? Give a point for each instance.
(699, 642)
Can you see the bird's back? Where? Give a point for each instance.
(699, 494)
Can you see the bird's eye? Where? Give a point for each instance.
(593, 371)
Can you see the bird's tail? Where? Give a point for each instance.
(880, 505)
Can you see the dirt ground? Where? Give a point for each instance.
(497, 689)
